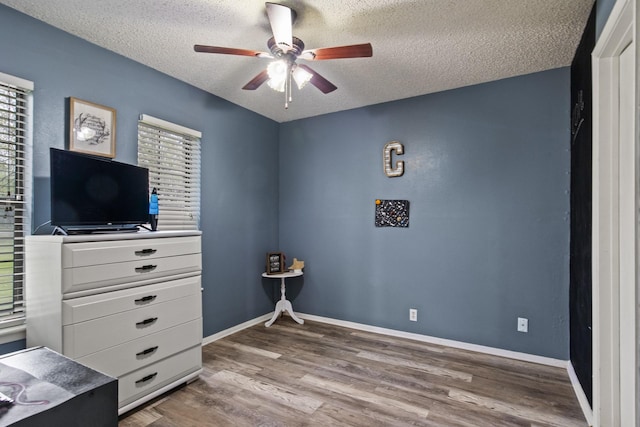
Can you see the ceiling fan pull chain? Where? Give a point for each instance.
(286, 97)
(287, 87)
(289, 82)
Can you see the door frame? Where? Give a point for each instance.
(613, 233)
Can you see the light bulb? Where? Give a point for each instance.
(277, 72)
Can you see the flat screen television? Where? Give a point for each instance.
(92, 193)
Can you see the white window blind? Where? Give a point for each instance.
(172, 155)
(15, 176)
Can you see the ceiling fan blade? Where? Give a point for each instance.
(281, 20)
(230, 51)
(255, 83)
(318, 81)
(352, 51)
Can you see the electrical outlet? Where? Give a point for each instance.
(413, 314)
(523, 324)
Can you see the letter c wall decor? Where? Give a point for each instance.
(389, 170)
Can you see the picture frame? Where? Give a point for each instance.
(92, 128)
(275, 263)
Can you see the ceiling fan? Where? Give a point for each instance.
(285, 50)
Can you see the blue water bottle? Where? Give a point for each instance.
(153, 209)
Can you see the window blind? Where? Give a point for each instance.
(15, 173)
(172, 155)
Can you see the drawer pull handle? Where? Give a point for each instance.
(147, 322)
(148, 298)
(146, 268)
(147, 351)
(144, 252)
(147, 378)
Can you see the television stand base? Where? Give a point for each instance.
(107, 229)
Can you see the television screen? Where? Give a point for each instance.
(95, 191)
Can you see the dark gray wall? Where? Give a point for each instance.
(486, 174)
(239, 151)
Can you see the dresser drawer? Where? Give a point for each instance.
(81, 339)
(124, 358)
(143, 381)
(82, 309)
(95, 253)
(96, 276)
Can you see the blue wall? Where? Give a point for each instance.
(239, 151)
(487, 177)
(486, 173)
(12, 346)
(603, 10)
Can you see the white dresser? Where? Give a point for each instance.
(128, 305)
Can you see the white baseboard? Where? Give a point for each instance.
(237, 328)
(559, 363)
(579, 391)
(441, 341)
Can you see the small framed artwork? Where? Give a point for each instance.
(275, 263)
(92, 128)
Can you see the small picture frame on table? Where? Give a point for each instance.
(275, 263)
(92, 128)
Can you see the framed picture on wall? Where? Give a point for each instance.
(275, 263)
(92, 128)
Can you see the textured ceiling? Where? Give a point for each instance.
(419, 46)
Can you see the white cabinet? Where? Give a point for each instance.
(128, 305)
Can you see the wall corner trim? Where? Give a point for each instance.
(580, 394)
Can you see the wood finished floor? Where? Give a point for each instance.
(323, 375)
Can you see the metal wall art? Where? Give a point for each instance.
(392, 213)
(390, 170)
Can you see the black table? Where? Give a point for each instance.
(51, 390)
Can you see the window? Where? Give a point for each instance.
(172, 155)
(15, 170)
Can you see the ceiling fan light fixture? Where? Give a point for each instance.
(301, 76)
(277, 72)
(278, 86)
